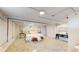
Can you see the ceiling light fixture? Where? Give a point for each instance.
(42, 12)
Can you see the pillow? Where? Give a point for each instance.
(42, 37)
(34, 39)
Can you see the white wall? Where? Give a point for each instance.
(51, 31)
(3, 31)
(62, 29)
(14, 30)
(73, 31)
(34, 27)
(43, 30)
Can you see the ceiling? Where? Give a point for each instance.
(53, 15)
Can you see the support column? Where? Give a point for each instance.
(7, 29)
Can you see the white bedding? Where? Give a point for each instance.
(30, 36)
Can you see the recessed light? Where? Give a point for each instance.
(42, 12)
(53, 15)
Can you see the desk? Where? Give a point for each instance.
(61, 35)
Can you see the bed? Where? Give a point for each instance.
(34, 37)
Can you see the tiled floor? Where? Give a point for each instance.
(47, 45)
